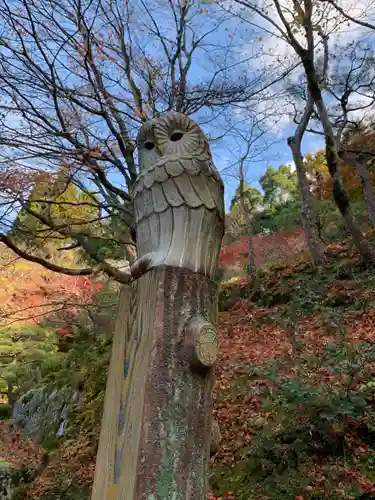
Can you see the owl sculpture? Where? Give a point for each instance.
(178, 198)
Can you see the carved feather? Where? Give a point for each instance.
(190, 167)
(201, 188)
(185, 187)
(161, 174)
(174, 168)
(171, 193)
(159, 200)
(149, 179)
(148, 204)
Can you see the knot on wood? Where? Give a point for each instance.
(201, 344)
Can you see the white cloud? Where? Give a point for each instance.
(291, 165)
(277, 55)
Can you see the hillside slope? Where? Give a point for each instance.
(294, 395)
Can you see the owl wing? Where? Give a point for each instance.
(193, 182)
(168, 230)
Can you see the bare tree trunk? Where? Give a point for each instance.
(308, 220)
(368, 193)
(313, 82)
(249, 227)
(11, 394)
(248, 223)
(333, 162)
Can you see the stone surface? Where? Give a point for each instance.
(41, 415)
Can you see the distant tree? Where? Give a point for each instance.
(358, 154)
(361, 18)
(284, 216)
(78, 78)
(58, 199)
(252, 201)
(23, 348)
(350, 84)
(306, 27)
(279, 185)
(245, 203)
(307, 209)
(251, 197)
(326, 213)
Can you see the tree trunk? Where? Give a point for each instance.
(307, 214)
(368, 193)
(159, 446)
(333, 162)
(11, 394)
(156, 429)
(249, 227)
(248, 224)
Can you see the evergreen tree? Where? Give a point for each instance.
(61, 202)
(279, 185)
(252, 197)
(23, 349)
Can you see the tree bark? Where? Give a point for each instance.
(249, 227)
(307, 213)
(368, 192)
(159, 446)
(250, 243)
(11, 394)
(248, 224)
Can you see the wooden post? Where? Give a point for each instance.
(163, 428)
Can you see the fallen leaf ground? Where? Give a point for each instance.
(237, 403)
(16, 450)
(246, 339)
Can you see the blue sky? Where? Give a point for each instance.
(248, 55)
(277, 154)
(273, 57)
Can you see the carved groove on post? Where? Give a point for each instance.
(108, 433)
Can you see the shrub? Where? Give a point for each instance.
(314, 414)
(67, 493)
(5, 411)
(323, 405)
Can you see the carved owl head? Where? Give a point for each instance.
(173, 134)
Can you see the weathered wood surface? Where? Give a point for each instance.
(164, 409)
(160, 418)
(178, 198)
(108, 433)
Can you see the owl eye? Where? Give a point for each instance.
(176, 135)
(149, 145)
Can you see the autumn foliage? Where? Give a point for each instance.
(29, 292)
(249, 403)
(259, 375)
(268, 249)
